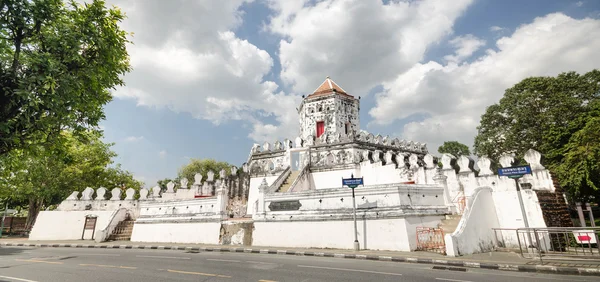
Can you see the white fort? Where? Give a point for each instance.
(290, 194)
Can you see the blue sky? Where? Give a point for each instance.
(210, 78)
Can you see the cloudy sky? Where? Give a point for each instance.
(210, 77)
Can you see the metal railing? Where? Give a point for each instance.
(572, 243)
(431, 239)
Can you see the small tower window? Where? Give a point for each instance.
(320, 128)
(347, 128)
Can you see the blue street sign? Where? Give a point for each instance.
(352, 182)
(515, 171)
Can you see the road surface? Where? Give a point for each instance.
(28, 264)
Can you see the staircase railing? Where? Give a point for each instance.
(116, 217)
(305, 171)
(279, 181)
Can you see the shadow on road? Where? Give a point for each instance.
(6, 251)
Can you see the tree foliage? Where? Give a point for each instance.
(202, 166)
(578, 167)
(455, 148)
(536, 114)
(57, 64)
(555, 116)
(43, 176)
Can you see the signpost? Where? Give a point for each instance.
(515, 173)
(353, 183)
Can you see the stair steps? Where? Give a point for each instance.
(123, 231)
(287, 184)
(450, 224)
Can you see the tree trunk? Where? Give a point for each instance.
(34, 208)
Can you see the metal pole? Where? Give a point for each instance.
(356, 244)
(523, 211)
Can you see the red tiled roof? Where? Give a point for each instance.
(327, 87)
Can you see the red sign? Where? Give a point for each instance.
(584, 238)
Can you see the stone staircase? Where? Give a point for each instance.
(287, 184)
(123, 231)
(450, 223)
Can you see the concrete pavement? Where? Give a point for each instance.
(34, 264)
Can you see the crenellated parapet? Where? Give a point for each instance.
(463, 183)
(336, 149)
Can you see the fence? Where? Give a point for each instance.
(431, 239)
(14, 225)
(580, 243)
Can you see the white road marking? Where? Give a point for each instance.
(455, 280)
(108, 255)
(163, 257)
(17, 279)
(353, 270)
(250, 261)
(228, 260)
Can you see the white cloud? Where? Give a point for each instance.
(454, 97)
(465, 46)
(360, 43)
(162, 154)
(579, 4)
(133, 139)
(186, 58)
(496, 28)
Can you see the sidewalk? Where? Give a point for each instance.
(494, 260)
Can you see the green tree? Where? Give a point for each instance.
(536, 114)
(163, 183)
(578, 167)
(202, 166)
(556, 116)
(455, 148)
(43, 176)
(57, 64)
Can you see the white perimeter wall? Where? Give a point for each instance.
(66, 225)
(474, 233)
(378, 234)
(253, 191)
(194, 232)
(510, 216)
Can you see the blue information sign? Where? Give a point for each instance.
(515, 171)
(352, 182)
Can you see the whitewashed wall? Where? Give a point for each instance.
(379, 234)
(253, 191)
(474, 233)
(191, 232)
(66, 225)
(510, 215)
(337, 203)
(201, 207)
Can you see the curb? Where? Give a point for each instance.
(451, 264)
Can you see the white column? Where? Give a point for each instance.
(222, 199)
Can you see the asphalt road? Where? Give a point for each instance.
(68, 264)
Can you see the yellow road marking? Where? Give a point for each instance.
(198, 273)
(110, 266)
(41, 261)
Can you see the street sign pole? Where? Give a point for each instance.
(353, 183)
(515, 173)
(356, 244)
(523, 213)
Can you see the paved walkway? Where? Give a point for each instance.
(492, 260)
